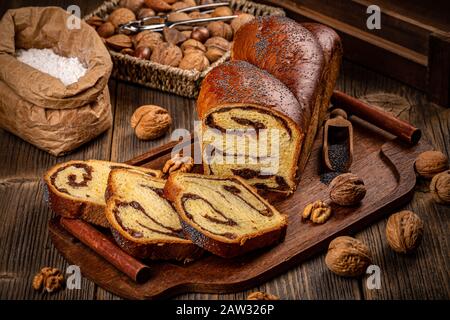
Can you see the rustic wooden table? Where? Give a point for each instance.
(25, 246)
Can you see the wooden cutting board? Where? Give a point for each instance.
(386, 166)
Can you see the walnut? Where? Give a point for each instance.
(222, 12)
(404, 231)
(119, 41)
(177, 16)
(106, 30)
(168, 54)
(347, 189)
(179, 5)
(150, 122)
(440, 187)
(318, 212)
(178, 163)
(54, 283)
(429, 163)
(192, 44)
(258, 295)
(219, 43)
(127, 51)
(121, 16)
(214, 54)
(48, 279)
(241, 19)
(200, 34)
(142, 53)
(133, 5)
(158, 5)
(145, 12)
(194, 60)
(95, 21)
(348, 257)
(187, 33)
(190, 3)
(220, 29)
(147, 38)
(216, 48)
(173, 36)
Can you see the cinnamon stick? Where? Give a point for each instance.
(98, 242)
(402, 129)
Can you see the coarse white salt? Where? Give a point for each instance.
(68, 70)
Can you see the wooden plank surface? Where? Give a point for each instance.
(26, 247)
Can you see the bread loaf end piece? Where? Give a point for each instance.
(75, 189)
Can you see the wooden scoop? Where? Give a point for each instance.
(338, 142)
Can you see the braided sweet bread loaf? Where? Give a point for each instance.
(288, 61)
(224, 215)
(76, 189)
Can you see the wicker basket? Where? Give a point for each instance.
(170, 79)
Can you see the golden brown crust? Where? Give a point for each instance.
(287, 51)
(179, 249)
(331, 45)
(241, 83)
(227, 249)
(70, 207)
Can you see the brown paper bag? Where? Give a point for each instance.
(40, 108)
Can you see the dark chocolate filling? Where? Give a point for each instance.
(257, 125)
(191, 196)
(247, 174)
(71, 178)
(236, 192)
(136, 205)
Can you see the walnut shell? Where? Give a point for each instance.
(347, 189)
(219, 43)
(133, 5)
(220, 29)
(222, 12)
(258, 295)
(429, 163)
(143, 53)
(119, 41)
(121, 16)
(193, 44)
(168, 54)
(158, 5)
(145, 12)
(240, 20)
(150, 122)
(200, 34)
(173, 36)
(214, 54)
(106, 30)
(440, 187)
(179, 5)
(127, 51)
(194, 60)
(148, 39)
(404, 231)
(190, 3)
(95, 21)
(348, 257)
(177, 16)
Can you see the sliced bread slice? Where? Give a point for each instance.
(224, 215)
(142, 221)
(76, 189)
